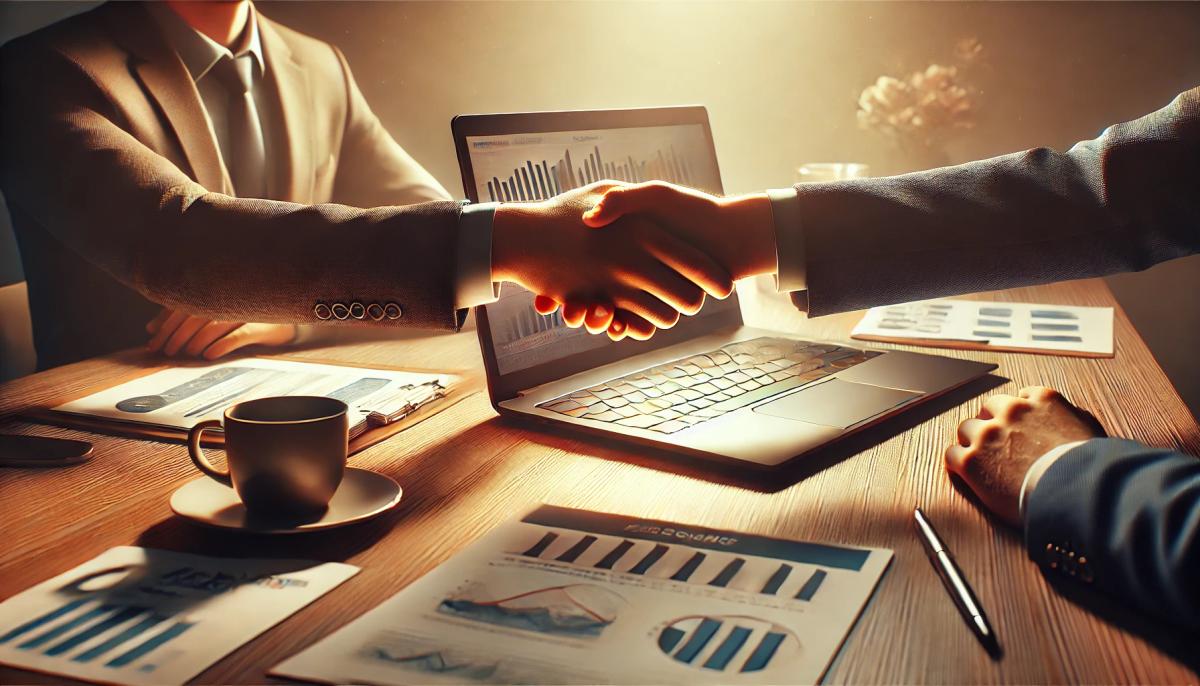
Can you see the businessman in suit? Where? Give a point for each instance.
(1105, 513)
(203, 158)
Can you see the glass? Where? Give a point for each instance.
(816, 172)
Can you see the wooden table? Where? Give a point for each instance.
(465, 470)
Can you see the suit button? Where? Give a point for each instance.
(340, 310)
(375, 311)
(392, 311)
(357, 311)
(321, 311)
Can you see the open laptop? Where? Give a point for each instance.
(708, 387)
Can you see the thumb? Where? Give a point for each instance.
(616, 203)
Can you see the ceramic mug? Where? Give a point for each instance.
(285, 455)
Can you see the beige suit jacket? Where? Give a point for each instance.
(120, 201)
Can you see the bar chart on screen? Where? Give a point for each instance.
(532, 167)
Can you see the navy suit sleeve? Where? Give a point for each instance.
(1123, 518)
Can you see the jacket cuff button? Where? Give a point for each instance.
(321, 311)
(375, 311)
(340, 310)
(357, 311)
(392, 311)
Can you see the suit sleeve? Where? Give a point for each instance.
(374, 170)
(69, 163)
(1122, 202)
(1125, 519)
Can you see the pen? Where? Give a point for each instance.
(956, 584)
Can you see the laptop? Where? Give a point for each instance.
(709, 387)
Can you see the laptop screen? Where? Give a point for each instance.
(533, 166)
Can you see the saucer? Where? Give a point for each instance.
(363, 494)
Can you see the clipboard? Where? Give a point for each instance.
(467, 383)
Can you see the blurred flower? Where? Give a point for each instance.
(924, 107)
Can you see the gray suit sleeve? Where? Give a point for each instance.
(1122, 202)
(1124, 519)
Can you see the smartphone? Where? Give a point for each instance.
(40, 451)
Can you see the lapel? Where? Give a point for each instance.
(292, 179)
(168, 83)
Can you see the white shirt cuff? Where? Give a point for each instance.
(791, 272)
(473, 279)
(1037, 469)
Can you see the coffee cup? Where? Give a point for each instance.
(285, 456)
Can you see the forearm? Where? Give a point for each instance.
(1122, 202)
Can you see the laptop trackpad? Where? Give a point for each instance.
(836, 403)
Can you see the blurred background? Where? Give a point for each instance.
(781, 81)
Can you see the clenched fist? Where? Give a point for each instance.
(997, 448)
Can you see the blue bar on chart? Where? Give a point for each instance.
(761, 657)
(776, 580)
(119, 617)
(809, 589)
(576, 550)
(127, 635)
(700, 638)
(726, 575)
(76, 622)
(44, 619)
(150, 644)
(614, 555)
(648, 561)
(685, 572)
(728, 648)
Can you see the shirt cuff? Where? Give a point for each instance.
(473, 279)
(1037, 469)
(791, 272)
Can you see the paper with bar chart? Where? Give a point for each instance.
(571, 596)
(144, 616)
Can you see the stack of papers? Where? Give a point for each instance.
(181, 397)
(144, 616)
(1021, 327)
(566, 596)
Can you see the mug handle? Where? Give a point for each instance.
(197, 453)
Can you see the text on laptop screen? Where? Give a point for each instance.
(537, 166)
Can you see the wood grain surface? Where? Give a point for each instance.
(465, 470)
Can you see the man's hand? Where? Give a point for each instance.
(738, 231)
(635, 266)
(997, 448)
(173, 332)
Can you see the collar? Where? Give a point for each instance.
(199, 52)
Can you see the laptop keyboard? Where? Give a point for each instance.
(692, 390)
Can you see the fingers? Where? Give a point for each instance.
(692, 263)
(1001, 406)
(183, 334)
(168, 326)
(971, 432)
(598, 318)
(635, 327)
(543, 304)
(250, 334)
(209, 334)
(956, 459)
(666, 285)
(573, 314)
(647, 307)
(153, 325)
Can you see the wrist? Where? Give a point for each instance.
(749, 234)
(507, 224)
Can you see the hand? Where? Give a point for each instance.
(636, 266)
(996, 449)
(173, 332)
(739, 230)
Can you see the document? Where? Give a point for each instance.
(1023, 327)
(145, 616)
(181, 397)
(563, 596)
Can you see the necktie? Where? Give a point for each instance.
(246, 161)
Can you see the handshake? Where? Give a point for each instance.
(629, 259)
